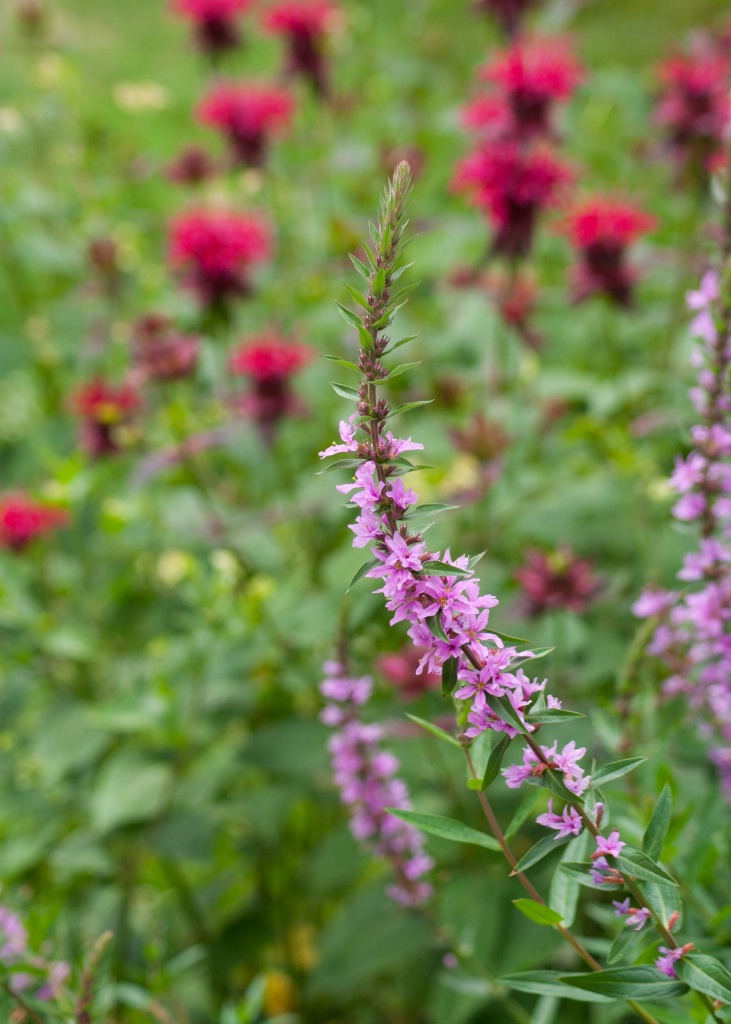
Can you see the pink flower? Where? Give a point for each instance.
(270, 362)
(611, 846)
(214, 22)
(305, 24)
(666, 964)
(601, 228)
(22, 520)
(247, 114)
(103, 409)
(532, 75)
(511, 185)
(567, 823)
(215, 251)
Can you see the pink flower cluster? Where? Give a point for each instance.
(366, 777)
(22, 520)
(29, 974)
(447, 616)
(693, 636)
(247, 114)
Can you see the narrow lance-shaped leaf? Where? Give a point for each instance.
(654, 837)
(495, 761)
(638, 865)
(443, 569)
(563, 895)
(705, 974)
(360, 573)
(435, 730)
(541, 849)
(449, 675)
(547, 983)
(641, 982)
(345, 391)
(349, 316)
(616, 769)
(446, 828)
(538, 912)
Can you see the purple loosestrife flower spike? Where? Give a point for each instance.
(366, 777)
(436, 594)
(693, 635)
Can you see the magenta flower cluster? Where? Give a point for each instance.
(28, 973)
(448, 617)
(693, 636)
(366, 777)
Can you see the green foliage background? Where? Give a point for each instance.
(163, 770)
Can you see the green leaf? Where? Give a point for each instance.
(366, 340)
(355, 294)
(343, 362)
(345, 391)
(654, 837)
(638, 865)
(379, 282)
(366, 567)
(535, 654)
(505, 711)
(640, 982)
(351, 318)
(705, 974)
(449, 675)
(615, 770)
(429, 510)
(398, 370)
(624, 944)
(663, 898)
(398, 344)
(538, 912)
(474, 560)
(360, 267)
(409, 405)
(443, 569)
(495, 761)
(563, 895)
(435, 730)
(397, 273)
(541, 849)
(129, 788)
(581, 874)
(341, 464)
(546, 983)
(524, 810)
(434, 622)
(505, 637)
(554, 784)
(446, 828)
(554, 716)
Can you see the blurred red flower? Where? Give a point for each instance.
(557, 580)
(247, 114)
(22, 520)
(214, 22)
(305, 25)
(215, 251)
(103, 408)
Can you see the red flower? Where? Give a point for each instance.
(305, 24)
(558, 580)
(601, 227)
(215, 250)
(693, 106)
(192, 166)
(270, 362)
(247, 114)
(399, 669)
(532, 75)
(511, 184)
(509, 13)
(22, 520)
(214, 22)
(162, 352)
(103, 409)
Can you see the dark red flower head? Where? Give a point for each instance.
(532, 75)
(601, 228)
(248, 114)
(22, 520)
(305, 25)
(557, 580)
(162, 352)
(693, 106)
(511, 184)
(269, 361)
(214, 22)
(215, 250)
(192, 166)
(509, 13)
(103, 408)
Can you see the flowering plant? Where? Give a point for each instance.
(439, 597)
